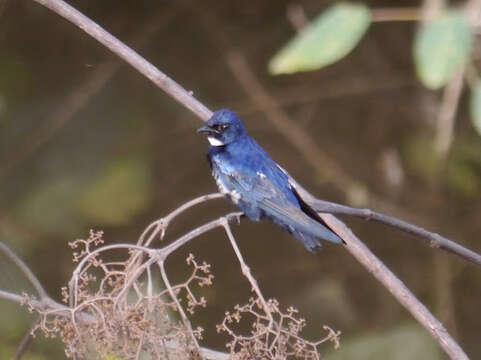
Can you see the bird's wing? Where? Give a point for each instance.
(275, 203)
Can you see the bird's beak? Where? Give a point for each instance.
(206, 129)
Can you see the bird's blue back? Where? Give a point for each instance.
(257, 184)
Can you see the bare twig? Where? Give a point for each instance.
(247, 272)
(183, 316)
(296, 15)
(447, 114)
(434, 240)
(25, 269)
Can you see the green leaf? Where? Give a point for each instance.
(441, 47)
(329, 38)
(475, 107)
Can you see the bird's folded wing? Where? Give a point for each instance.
(274, 202)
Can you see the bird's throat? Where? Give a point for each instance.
(215, 142)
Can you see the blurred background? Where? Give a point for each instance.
(86, 142)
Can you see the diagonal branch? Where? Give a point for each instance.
(129, 55)
(396, 287)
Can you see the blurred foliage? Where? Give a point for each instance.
(403, 342)
(475, 107)
(462, 167)
(118, 193)
(329, 37)
(441, 47)
(15, 320)
(111, 196)
(7, 352)
(48, 207)
(15, 78)
(421, 157)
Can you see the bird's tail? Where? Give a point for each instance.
(311, 243)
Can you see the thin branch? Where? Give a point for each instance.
(246, 271)
(129, 55)
(447, 113)
(433, 239)
(165, 221)
(25, 269)
(183, 316)
(397, 288)
(46, 303)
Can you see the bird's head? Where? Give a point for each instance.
(223, 127)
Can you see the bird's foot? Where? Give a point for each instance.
(235, 216)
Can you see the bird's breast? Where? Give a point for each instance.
(233, 194)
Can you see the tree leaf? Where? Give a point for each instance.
(475, 107)
(330, 37)
(441, 47)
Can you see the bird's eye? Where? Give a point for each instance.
(221, 127)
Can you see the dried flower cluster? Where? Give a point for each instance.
(274, 334)
(115, 309)
(128, 309)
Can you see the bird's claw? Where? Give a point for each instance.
(235, 216)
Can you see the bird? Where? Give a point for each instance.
(253, 181)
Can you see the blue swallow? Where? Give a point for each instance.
(249, 177)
